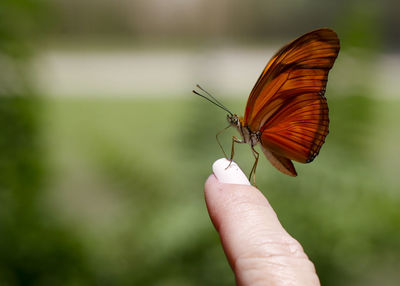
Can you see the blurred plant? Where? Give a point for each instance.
(33, 249)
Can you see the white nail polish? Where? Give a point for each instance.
(231, 175)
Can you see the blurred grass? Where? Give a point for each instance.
(33, 249)
(127, 177)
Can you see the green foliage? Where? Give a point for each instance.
(19, 24)
(34, 249)
(360, 25)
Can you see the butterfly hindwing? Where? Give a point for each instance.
(281, 163)
(298, 131)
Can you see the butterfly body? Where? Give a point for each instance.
(249, 137)
(253, 138)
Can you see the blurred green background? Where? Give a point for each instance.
(104, 150)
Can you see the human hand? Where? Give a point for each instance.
(258, 248)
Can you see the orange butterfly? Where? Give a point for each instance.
(287, 112)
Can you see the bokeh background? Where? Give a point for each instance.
(104, 150)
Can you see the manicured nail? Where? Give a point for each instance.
(231, 175)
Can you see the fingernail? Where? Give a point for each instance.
(231, 175)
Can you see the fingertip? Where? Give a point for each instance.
(228, 172)
(210, 187)
(253, 239)
(211, 181)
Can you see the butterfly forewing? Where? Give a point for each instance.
(287, 104)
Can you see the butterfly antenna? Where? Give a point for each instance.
(209, 94)
(213, 100)
(205, 97)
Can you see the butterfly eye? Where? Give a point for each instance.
(233, 119)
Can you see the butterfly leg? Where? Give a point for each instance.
(234, 140)
(253, 170)
(219, 143)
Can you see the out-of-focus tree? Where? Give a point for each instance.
(234, 20)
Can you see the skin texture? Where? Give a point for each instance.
(257, 247)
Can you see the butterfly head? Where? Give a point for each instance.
(234, 120)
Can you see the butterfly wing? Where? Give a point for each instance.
(287, 104)
(281, 163)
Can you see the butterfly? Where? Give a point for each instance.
(287, 112)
